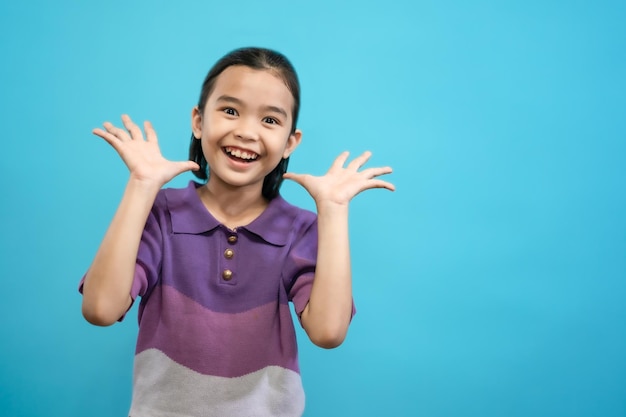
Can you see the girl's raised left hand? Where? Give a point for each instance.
(340, 184)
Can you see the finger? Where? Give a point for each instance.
(291, 176)
(380, 184)
(185, 166)
(150, 132)
(120, 134)
(375, 172)
(359, 161)
(108, 137)
(133, 129)
(99, 132)
(299, 178)
(340, 161)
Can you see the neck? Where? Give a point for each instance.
(233, 206)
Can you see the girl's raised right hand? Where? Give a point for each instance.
(142, 157)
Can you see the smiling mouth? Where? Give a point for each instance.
(239, 155)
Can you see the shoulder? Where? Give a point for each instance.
(183, 209)
(177, 196)
(291, 217)
(282, 222)
(296, 213)
(171, 199)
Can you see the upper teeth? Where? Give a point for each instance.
(241, 154)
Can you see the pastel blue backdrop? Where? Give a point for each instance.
(491, 283)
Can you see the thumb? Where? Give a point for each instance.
(184, 166)
(299, 178)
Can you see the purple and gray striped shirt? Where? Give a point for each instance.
(216, 336)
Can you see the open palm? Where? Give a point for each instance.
(142, 156)
(340, 184)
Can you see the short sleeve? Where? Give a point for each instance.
(299, 269)
(149, 255)
(148, 265)
(148, 262)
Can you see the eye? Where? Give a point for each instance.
(230, 111)
(270, 120)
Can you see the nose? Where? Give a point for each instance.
(247, 129)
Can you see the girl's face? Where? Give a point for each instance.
(245, 128)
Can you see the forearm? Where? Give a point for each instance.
(328, 313)
(106, 289)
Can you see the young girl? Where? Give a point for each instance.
(215, 264)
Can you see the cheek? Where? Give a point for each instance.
(280, 146)
(210, 139)
(211, 129)
(206, 151)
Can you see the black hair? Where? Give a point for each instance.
(260, 59)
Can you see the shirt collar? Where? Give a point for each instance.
(189, 215)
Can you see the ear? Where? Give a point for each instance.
(292, 143)
(196, 122)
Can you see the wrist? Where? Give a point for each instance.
(331, 207)
(143, 185)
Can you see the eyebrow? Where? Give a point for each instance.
(235, 100)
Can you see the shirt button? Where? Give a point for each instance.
(229, 253)
(227, 275)
(232, 239)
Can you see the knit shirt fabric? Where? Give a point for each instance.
(216, 343)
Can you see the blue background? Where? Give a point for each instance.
(491, 283)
